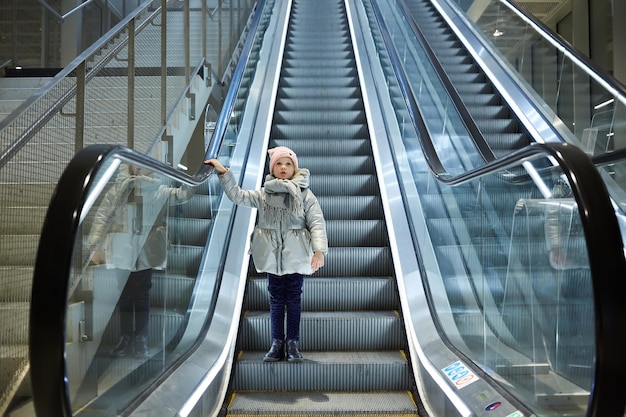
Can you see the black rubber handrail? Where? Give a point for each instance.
(602, 235)
(53, 264)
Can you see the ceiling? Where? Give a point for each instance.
(548, 11)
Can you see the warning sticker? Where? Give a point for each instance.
(459, 374)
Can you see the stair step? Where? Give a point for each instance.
(22, 220)
(32, 194)
(311, 404)
(18, 249)
(319, 330)
(16, 283)
(13, 320)
(324, 371)
(332, 294)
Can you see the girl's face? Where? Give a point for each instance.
(284, 168)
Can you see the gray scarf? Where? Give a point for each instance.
(283, 198)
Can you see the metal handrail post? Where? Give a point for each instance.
(130, 127)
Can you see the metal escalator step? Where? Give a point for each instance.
(474, 99)
(317, 82)
(303, 39)
(357, 185)
(485, 111)
(462, 68)
(315, 62)
(319, 131)
(198, 207)
(319, 147)
(466, 90)
(329, 54)
(324, 371)
(188, 231)
(320, 116)
(454, 59)
(356, 165)
(330, 330)
(313, 404)
(318, 93)
(356, 233)
(351, 207)
(319, 72)
(363, 261)
(317, 104)
(449, 45)
(184, 259)
(507, 142)
(171, 290)
(466, 78)
(495, 126)
(332, 294)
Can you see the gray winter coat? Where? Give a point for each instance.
(290, 225)
(131, 229)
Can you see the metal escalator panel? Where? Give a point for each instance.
(508, 258)
(352, 336)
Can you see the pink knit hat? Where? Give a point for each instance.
(281, 152)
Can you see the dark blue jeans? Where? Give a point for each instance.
(285, 298)
(134, 304)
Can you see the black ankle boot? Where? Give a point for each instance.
(122, 348)
(141, 347)
(293, 354)
(276, 352)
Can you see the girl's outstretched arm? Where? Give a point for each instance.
(317, 261)
(217, 165)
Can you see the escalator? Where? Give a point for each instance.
(492, 115)
(352, 334)
(473, 224)
(371, 337)
(514, 239)
(560, 277)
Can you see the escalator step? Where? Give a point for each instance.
(313, 404)
(332, 294)
(319, 147)
(324, 370)
(318, 131)
(348, 331)
(314, 92)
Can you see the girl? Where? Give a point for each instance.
(289, 241)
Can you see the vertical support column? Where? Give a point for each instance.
(581, 87)
(71, 33)
(580, 21)
(163, 62)
(205, 43)
(166, 139)
(187, 32)
(220, 46)
(619, 40)
(79, 132)
(130, 127)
